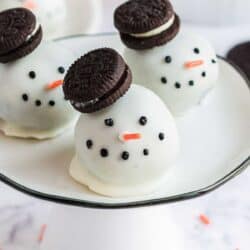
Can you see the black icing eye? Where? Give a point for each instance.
(213, 61)
(125, 155)
(191, 83)
(89, 144)
(52, 103)
(177, 85)
(38, 103)
(161, 136)
(203, 74)
(168, 59)
(146, 152)
(143, 120)
(109, 122)
(25, 97)
(164, 80)
(104, 153)
(32, 74)
(61, 70)
(196, 51)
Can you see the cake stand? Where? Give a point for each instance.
(215, 148)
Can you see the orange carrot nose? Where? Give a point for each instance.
(192, 64)
(30, 4)
(54, 85)
(130, 136)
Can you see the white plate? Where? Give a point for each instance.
(215, 147)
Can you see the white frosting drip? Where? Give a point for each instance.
(13, 130)
(158, 30)
(81, 174)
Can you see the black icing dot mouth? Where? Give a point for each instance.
(161, 136)
(143, 120)
(32, 74)
(104, 153)
(89, 144)
(203, 74)
(52, 103)
(196, 51)
(38, 103)
(25, 97)
(213, 61)
(191, 83)
(125, 155)
(168, 59)
(164, 80)
(177, 85)
(109, 122)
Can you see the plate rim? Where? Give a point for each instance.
(135, 204)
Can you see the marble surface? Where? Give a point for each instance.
(227, 209)
(226, 225)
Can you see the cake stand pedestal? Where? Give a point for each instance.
(91, 229)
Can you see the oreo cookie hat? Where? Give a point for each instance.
(20, 34)
(144, 24)
(96, 80)
(239, 55)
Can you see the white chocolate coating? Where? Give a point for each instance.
(50, 13)
(158, 30)
(139, 174)
(24, 118)
(149, 67)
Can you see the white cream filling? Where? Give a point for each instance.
(84, 104)
(158, 30)
(33, 32)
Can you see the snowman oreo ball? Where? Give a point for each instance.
(32, 103)
(126, 139)
(181, 68)
(51, 14)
